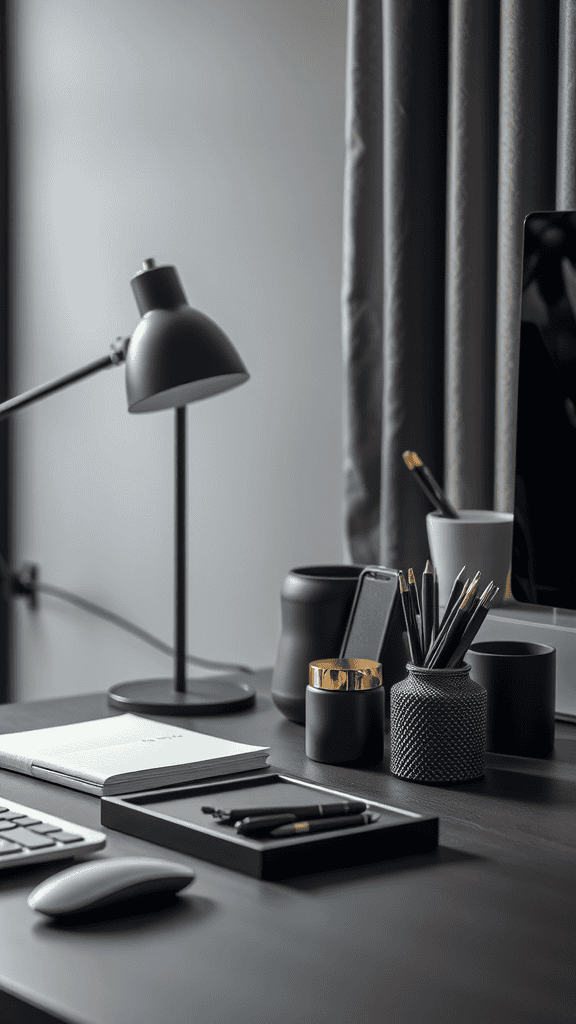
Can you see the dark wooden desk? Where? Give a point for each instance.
(481, 931)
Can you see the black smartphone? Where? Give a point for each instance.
(375, 627)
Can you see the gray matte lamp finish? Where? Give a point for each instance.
(176, 354)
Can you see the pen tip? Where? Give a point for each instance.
(429, 566)
(411, 576)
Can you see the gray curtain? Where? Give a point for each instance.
(460, 120)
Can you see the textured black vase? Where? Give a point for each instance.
(438, 726)
(315, 603)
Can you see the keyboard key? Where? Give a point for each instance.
(5, 825)
(6, 847)
(44, 826)
(30, 840)
(65, 837)
(27, 821)
(12, 815)
(2, 809)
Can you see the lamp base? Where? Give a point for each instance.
(212, 696)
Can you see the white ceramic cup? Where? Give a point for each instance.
(479, 539)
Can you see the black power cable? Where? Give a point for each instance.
(13, 584)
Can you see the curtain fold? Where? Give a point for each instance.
(362, 281)
(526, 182)
(415, 42)
(471, 217)
(477, 108)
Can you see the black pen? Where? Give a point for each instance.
(445, 626)
(427, 607)
(436, 607)
(299, 828)
(410, 620)
(455, 594)
(415, 599)
(231, 815)
(430, 486)
(456, 628)
(476, 620)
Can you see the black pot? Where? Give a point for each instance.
(316, 601)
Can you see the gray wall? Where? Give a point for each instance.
(208, 134)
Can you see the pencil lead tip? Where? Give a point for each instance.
(429, 566)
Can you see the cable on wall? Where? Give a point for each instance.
(26, 584)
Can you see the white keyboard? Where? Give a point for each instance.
(28, 836)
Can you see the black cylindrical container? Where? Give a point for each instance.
(520, 680)
(316, 602)
(345, 725)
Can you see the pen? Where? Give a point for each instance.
(455, 593)
(429, 485)
(456, 628)
(427, 606)
(436, 606)
(299, 828)
(444, 627)
(410, 620)
(231, 815)
(415, 599)
(478, 616)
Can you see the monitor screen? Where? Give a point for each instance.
(544, 544)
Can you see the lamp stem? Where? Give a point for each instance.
(180, 550)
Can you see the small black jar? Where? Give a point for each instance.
(345, 712)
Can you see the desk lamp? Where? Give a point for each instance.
(176, 355)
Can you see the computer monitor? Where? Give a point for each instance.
(544, 540)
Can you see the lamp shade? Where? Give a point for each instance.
(176, 354)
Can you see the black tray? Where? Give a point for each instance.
(173, 818)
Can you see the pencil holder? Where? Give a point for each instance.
(438, 726)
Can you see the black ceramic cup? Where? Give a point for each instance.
(315, 602)
(520, 681)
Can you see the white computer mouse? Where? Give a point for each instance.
(99, 883)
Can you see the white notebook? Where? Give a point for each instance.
(124, 754)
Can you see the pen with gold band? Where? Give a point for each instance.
(299, 828)
(454, 660)
(428, 606)
(429, 485)
(411, 624)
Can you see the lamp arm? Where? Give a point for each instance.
(117, 355)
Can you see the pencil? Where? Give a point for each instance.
(410, 620)
(456, 629)
(428, 607)
(460, 626)
(455, 594)
(444, 627)
(436, 606)
(478, 616)
(429, 485)
(415, 599)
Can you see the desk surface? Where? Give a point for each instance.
(481, 930)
